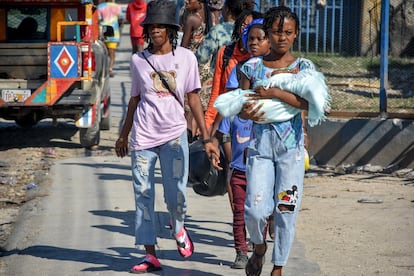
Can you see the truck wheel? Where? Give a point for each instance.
(27, 121)
(90, 136)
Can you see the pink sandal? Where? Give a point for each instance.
(148, 264)
(185, 245)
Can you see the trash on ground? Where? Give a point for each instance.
(370, 200)
(30, 186)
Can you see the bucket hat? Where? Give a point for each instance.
(161, 12)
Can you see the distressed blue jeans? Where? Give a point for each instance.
(173, 157)
(274, 186)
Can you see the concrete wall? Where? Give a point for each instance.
(356, 141)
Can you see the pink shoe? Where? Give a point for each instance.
(148, 264)
(185, 245)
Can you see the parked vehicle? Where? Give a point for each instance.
(53, 64)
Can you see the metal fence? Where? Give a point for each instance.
(343, 37)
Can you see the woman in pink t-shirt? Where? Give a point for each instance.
(155, 118)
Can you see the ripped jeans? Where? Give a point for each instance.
(274, 185)
(173, 158)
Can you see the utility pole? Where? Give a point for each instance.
(385, 18)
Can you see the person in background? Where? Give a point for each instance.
(160, 80)
(110, 16)
(235, 133)
(275, 157)
(218, 36)
(215, 7)
(226, 62)
(221, 33)
(197, 23)
(179, 11)
(135, 15)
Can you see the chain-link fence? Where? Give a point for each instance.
(342, 37)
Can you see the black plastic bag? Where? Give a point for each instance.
(205, 179)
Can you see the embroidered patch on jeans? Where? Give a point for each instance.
(289, 197)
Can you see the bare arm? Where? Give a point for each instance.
(249, 112)
(285, 96)
(189, 26)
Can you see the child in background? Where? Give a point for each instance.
(226, 62)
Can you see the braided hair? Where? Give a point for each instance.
(280, 12)
(236, 7)
(207, 16)
(237, 32)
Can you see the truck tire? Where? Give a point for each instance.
(91, 136)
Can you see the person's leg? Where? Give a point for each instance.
(111, 59)
(143, 166)
(259, 202)
(174, 167)
(260, 174)
(288, 193)
(140, 44)
(277, 271)
(174, 161)
(238, 186)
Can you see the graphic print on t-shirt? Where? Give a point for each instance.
(169, 77)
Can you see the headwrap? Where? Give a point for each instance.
(246, 30)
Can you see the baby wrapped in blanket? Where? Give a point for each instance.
(308, 84)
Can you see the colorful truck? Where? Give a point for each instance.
(53, 64)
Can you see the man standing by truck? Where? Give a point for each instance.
(109, 17)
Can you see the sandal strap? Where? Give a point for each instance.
(148, 264)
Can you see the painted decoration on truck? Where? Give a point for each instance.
(63, 61)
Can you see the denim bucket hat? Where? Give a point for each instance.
(161, 12)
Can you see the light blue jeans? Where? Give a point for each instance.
(274, 182)
(173, 158)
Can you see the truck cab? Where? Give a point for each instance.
(53, 64)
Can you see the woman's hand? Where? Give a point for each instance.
(213, 154)
(121, 147)
(262, 93)
(249, 112)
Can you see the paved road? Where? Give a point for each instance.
(85, 222)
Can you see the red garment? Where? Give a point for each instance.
(220, 78)
(238, 188)
(135, 14)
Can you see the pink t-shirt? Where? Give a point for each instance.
(159, 117)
